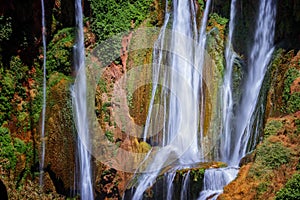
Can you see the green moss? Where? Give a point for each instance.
(291, 190)
(56, 78)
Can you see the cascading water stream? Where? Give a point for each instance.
(215, 180)
(43, 145)
(79, 95)
(185, 185)
(212, 184)
(227, 89)
(236, 135)
(259, 59)
(183, 77)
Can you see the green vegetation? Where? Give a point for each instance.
(109, 135)
(102, 85)
(112, 16)
(7, 150)
(5, 28)
(262, 187)
(201, 4)
(217, 18)
(291, 190)
(56, 78)
(272, 127)
(105, 106)
(198, 175)
(59, 52)
(273, 155)
(297, 123)
(13, 91)
(269, 156)
(291, 101)
(11, 148)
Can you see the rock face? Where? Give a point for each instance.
(60, 137)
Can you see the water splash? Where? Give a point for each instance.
(43, 145)
(79, 95)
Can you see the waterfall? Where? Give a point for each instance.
(236, 133)
(185, 185)
(79, 99)
(215, 180)
(227, 90)
(43, 145)
(180, 71)
(259, 59)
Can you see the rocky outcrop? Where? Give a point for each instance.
(186, 183)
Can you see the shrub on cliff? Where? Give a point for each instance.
(292, 101)
(112, 16)
(291, 190)
(59, 53)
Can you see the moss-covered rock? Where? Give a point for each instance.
(60, 137)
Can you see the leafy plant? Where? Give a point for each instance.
(291, 190)
(7, 150)
(217, 18)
